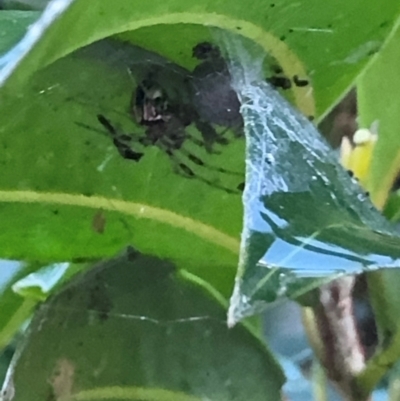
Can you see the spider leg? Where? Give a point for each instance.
(189, 173)
(196, 160)
(121, 141)
(210, 135)
(184, 170)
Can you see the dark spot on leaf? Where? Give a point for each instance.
(99, 222)
(272, 5)
(290, 30)
(283, 38)
(311, 118)
(350, 173)
(241, 186)
(239, 28)
(299, 81)
(55, 212)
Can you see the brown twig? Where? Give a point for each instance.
(335, 338)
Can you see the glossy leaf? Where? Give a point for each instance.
(14, 25)
(296, 35)
(61, 175)
(79, 179)
(133, 329)
(303, 211)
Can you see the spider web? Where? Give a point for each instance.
(305, 217)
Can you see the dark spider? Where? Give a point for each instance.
(165, 120)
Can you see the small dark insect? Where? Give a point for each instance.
(281, 82)
(300, 82)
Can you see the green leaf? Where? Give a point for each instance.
(380, 83)
(132, 329)
(303, 211)
(305, 31)
(392, 207)
(62, 175)
(72, 178)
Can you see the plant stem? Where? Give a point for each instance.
(335, 339)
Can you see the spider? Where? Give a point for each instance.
(165, 119)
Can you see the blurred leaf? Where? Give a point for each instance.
(37, 285)
(392, 207)
(384, 295)
(378, 101)
(14, 25)
(15, 310)
(23, 4)
(25, 289)
(5, 359)
(160, 322)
